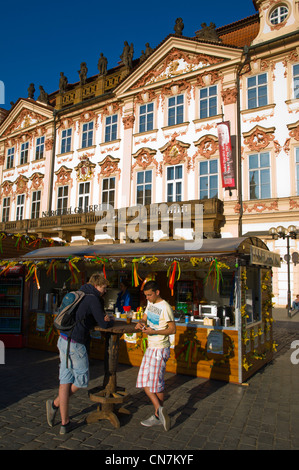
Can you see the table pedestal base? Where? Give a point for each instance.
(107, 409)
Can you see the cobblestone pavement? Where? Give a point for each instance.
(204, 414)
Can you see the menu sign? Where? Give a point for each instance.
(264, 257)
(226, 155)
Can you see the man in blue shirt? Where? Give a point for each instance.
(123, 297)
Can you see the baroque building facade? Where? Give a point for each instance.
(145, 132)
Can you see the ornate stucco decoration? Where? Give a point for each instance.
(49, 143)
(144, 157)
(109, 166)
(85, 169)
(65, 124)
(229, 95)
(6, 189)
(261, 207)
(22, 185)
(87, 117)
(145, 96)
(177, 63)
(175, 152)
(111, 108)
(208, 78)
(37, 181)
(63, 176)
(259, 138)
(25, 119)
(206, 146)
(294, 130)
(176, 88)
(128, 121)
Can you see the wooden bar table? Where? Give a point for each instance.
(109, 395)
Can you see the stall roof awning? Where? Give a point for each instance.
(210, 247)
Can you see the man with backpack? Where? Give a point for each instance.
(73, 347)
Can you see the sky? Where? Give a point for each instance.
(41, 39)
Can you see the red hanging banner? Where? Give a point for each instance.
(226, 155)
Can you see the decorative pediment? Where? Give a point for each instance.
(63, 176)
(177, 63)
(36, 180)
(109, 166)
(206, 146)
(259, 138)
(175, 152)
(85, 169)
(6, 188)
(294, 130)
(25, 119)
(144, 157)
(21, 184)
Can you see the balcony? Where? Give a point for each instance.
(157, 215)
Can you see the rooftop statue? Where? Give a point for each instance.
(208, 32)
(62, 83)
(43, 97)
(102, 65)
(83, 73)
(127, 55)
(178, 27)
(31, 91)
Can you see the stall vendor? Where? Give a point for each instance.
(123, 297)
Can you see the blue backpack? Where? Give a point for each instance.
(65, 319)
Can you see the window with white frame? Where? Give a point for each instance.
(144, 187)
(296, 80)
(5, 209)
(62, 199)
(20, 206)
(111, 128)
(24, 153)
(84, 193)
(174, 183)
(259, 176)
(208, 179)
(10, 158)
(297, 169)
(66, 140)
(40, 148)
(208, 102)
(146, 117)
(279, 14)
(175, 110)
(35, 207)
(257, 91)
(87, 134)
(108, 191)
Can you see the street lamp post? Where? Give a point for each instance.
(290, 232)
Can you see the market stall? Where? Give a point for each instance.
(221, 294)
(14, 291)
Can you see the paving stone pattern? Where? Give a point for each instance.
(263, 415)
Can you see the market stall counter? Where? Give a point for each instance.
(221, 295)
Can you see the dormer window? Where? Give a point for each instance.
(279, 14)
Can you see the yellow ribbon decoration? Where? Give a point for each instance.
(194, 261)
(10, 264)
(135, 275)
(72, 266)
